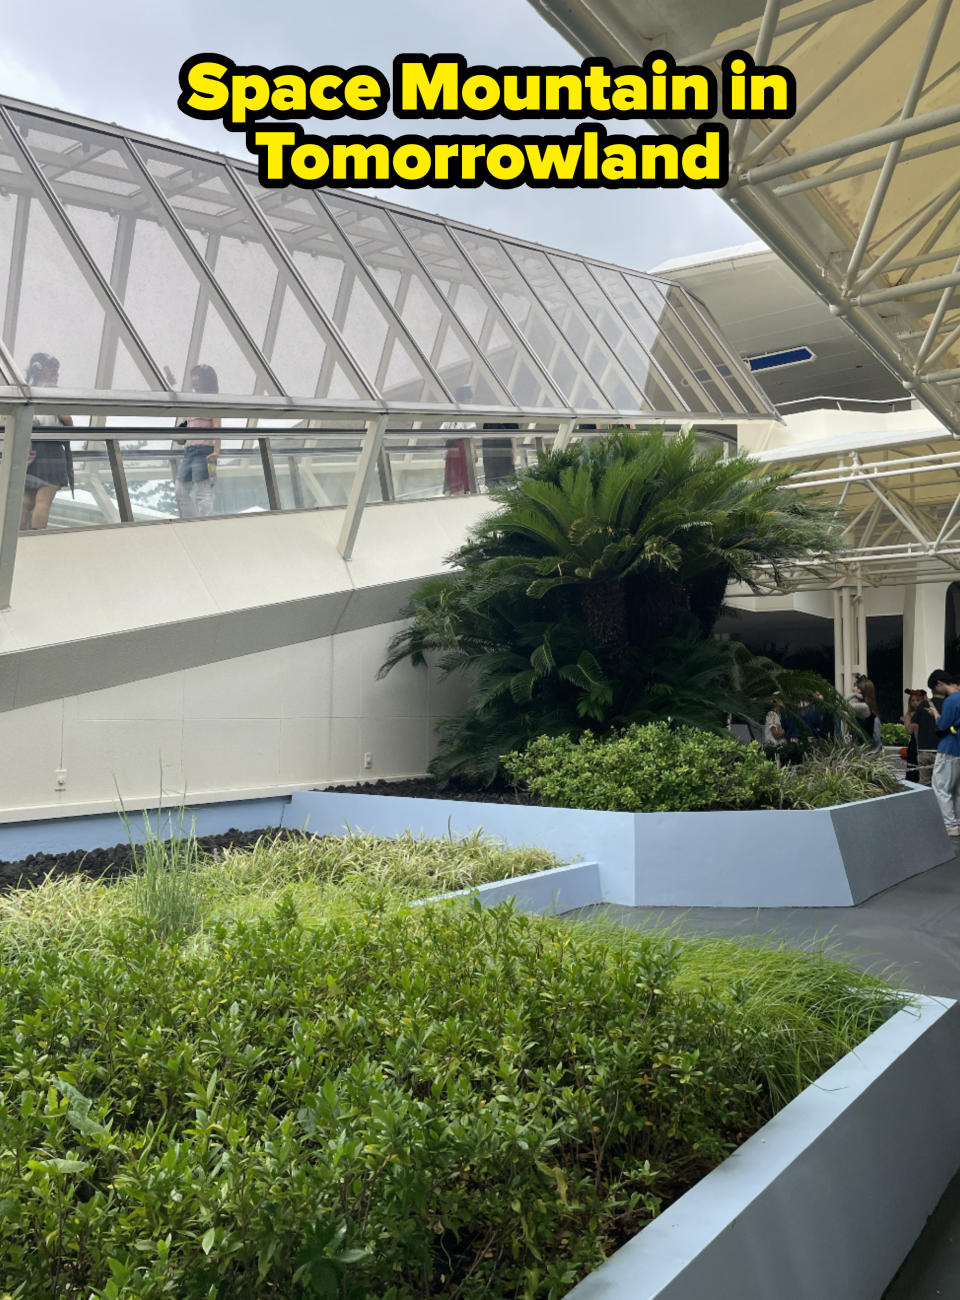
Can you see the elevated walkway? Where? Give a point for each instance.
(90, 610)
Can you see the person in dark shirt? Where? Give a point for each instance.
(946, 767)
(499, 456)
(920, 721)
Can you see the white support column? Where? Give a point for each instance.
(360, 488)
(861, 656)
(924, 626)
(837, 641)
(846, 608)
(564, 434)
(13, 472)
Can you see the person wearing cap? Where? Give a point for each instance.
(946, 766)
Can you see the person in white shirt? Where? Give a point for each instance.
(773, 728)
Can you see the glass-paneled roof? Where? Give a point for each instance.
(132, 260)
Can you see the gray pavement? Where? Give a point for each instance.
(911, 934)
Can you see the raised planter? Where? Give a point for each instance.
(558, 889)
(828, 1198)
(825, 857)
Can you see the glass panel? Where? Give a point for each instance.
(126, 233)
(417, 466)
(49, 304)
(416, 300)
(653, 341)
(733, 370)
(168, 480)
(610, 323)
(567, 314)
(534, 323)
(317, 472)
(79, 470)
(480, 314)
(274, 309)
(369, 330)
(698, 372)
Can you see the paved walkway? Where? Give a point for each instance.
(914, 929)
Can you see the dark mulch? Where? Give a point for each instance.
(426, 788)
(110, 864)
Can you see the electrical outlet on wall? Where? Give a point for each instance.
(368, 760)
(60, 778)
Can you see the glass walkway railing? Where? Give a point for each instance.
(135, 475)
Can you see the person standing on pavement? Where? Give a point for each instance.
(946, 766)
(920, 721)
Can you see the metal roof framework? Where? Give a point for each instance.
(859, 192)
(899, 498)
(133, 259)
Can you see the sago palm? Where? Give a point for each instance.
(587, 596)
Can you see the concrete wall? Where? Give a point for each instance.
(91, 610)
(294, 716)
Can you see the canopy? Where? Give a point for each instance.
(860, 191)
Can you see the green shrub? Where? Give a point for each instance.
(402, 1102)
(654, 768)
(894, 733)
(649, 768)
(830, 774)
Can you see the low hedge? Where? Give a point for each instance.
(657, 768)
(894, 733)
(401, 1102)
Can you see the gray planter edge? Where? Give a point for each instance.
(825, 857)
(822, 857)
(826, 1199)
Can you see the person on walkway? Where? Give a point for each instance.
(499, 456)
(50, 464)
(460, 455)
(946, 766)
(197, 472)
(920, 721)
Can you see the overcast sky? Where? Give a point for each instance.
(117, 61)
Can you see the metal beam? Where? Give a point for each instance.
(936, 322)
(18, 245)
(948, 342)
(13, 473)
(564, 435)
(852, 144)
(269, 473)
(862, 169)
(836, 78)
(359, 489)
(188, 249)
(818, 14)
(910, 290)
(894, 148)
(761, 52)
(81, 255)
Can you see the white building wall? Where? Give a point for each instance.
(924, 625)
(293, 717)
